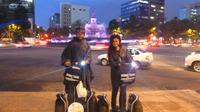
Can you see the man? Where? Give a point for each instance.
(77, 50)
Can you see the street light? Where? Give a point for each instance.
(32, 9)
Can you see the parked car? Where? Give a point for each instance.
(193, 61)
(141, 57)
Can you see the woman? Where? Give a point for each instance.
(117, 55)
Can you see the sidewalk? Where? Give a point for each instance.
(153, 101)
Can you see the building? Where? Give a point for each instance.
(54, 21)
(191, 12)
(70, 13)
(12, 10)
(143, 10)
(157, 10)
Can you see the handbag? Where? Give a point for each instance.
(128, 73)
(81, 91)
(72, 74)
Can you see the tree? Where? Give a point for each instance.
(132, 24)
(113, 24)
(76, 24)
(20, 14)
(176, 28)
(129, 27)
(197, 25)
(57, 32)
(137, 27)
(39, 30)
(144, 28)
(171, 28)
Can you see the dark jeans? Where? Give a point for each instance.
(122, 97)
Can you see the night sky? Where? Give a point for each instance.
(105, 9)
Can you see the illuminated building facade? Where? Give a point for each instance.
(143, 10)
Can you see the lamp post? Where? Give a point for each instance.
(32, 14)
(33, 10)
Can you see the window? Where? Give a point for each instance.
(141, 50)
(136, 52)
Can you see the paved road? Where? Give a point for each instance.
(39, 69)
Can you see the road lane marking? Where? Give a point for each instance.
(9, 53)
(44, 74)
(35, 76)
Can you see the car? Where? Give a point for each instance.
(99, 46)
(154, 44)
(23, 44)
(141, 57)
(195, 44)
(6, 44)
(2, 44)
(193, 61)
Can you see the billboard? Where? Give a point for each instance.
(18, 13)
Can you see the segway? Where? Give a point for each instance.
(102, 104)
(60, 103)
(86, 101)
(134, 104)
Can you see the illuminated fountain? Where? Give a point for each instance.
(95, 30)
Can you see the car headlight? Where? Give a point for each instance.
(99, 57)
(193, 53)
(187, 58)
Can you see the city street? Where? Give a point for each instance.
(39, 69)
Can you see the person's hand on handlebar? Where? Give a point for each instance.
(67, 63)
(87, 61)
